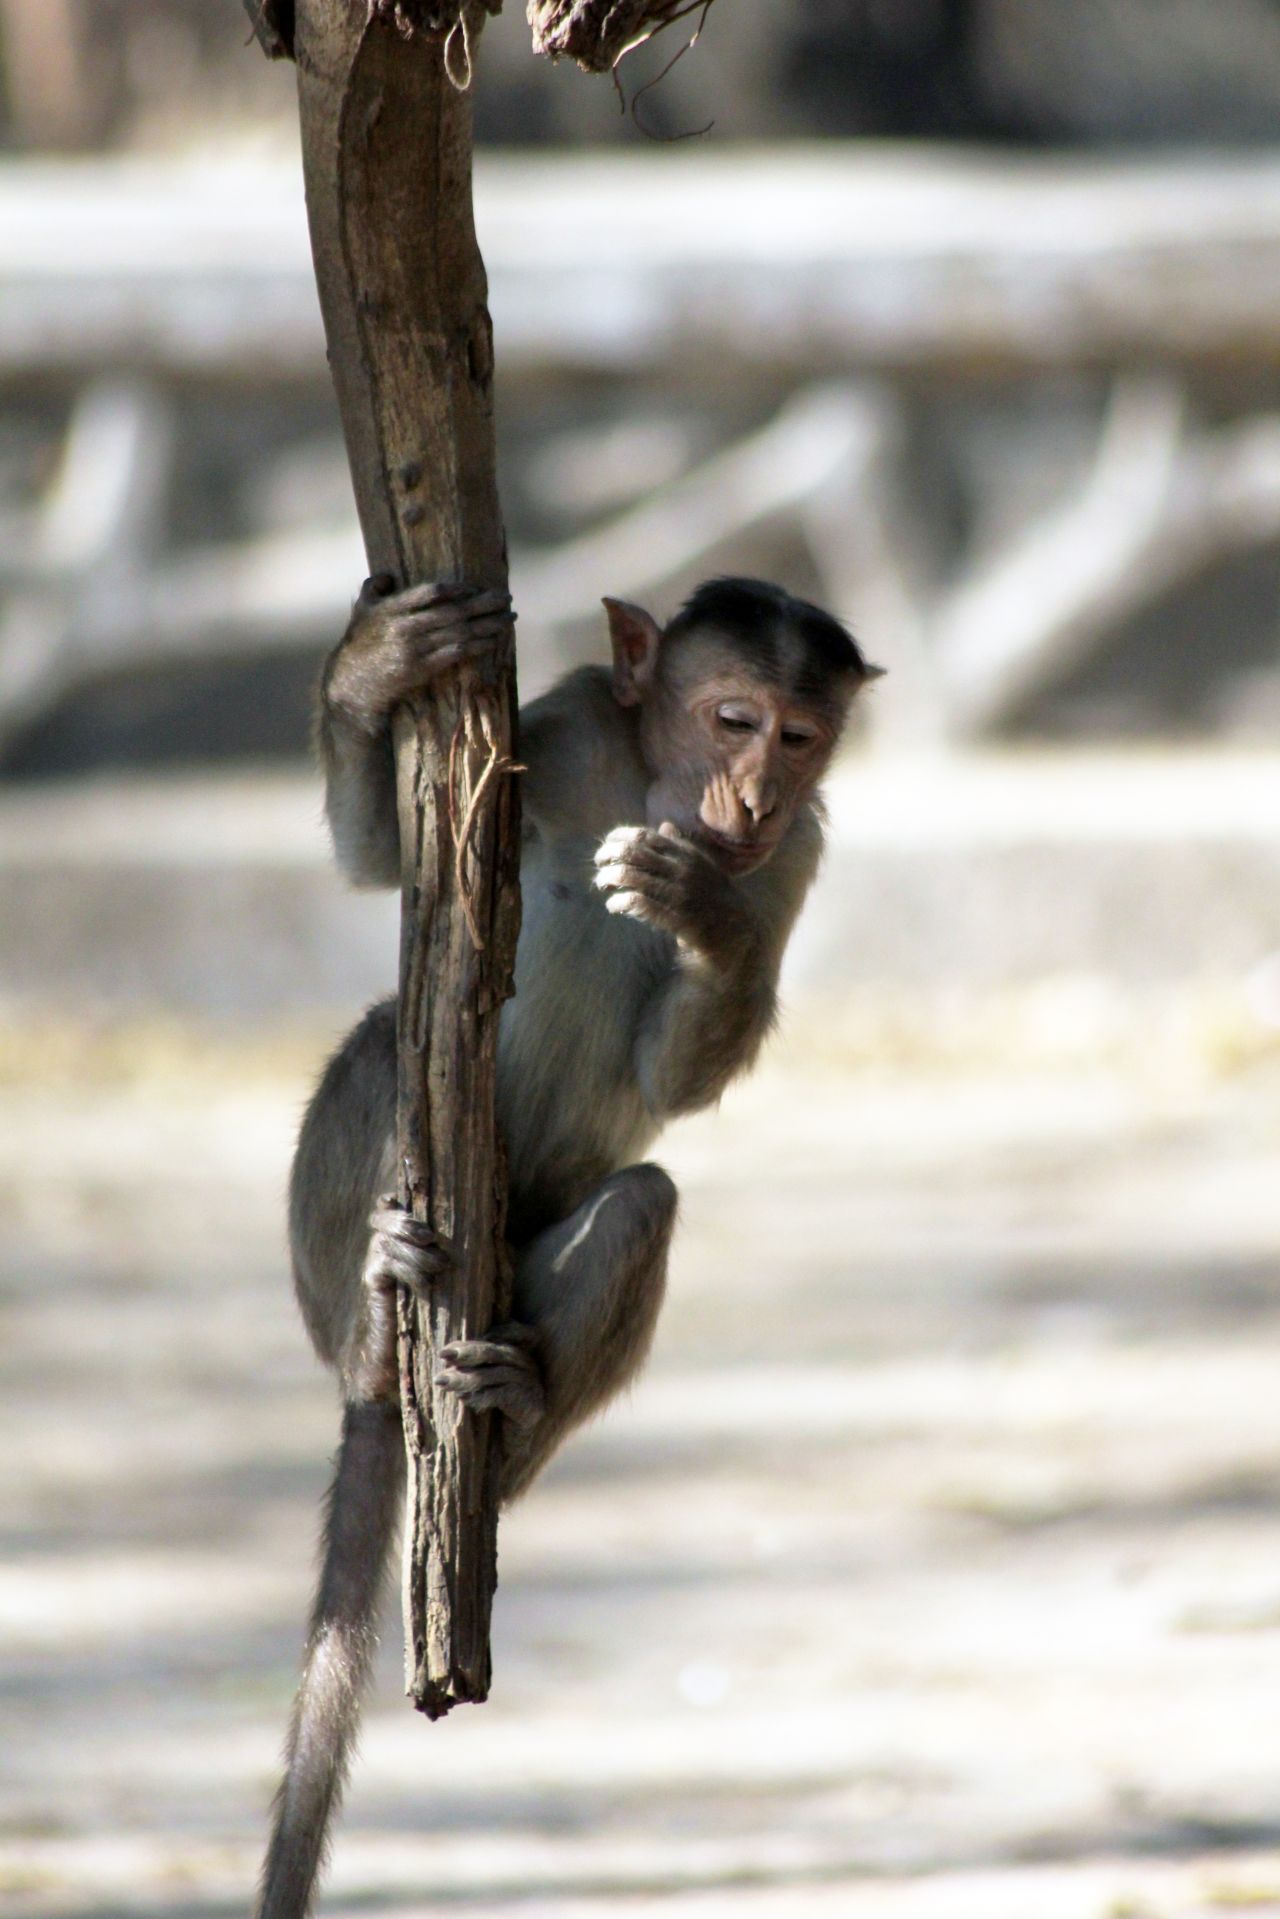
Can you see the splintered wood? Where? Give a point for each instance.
(597, 33)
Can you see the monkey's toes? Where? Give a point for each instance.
(492, 1375)
(404, 1251)
(393, 1221)
(511, 1344)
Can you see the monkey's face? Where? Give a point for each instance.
(733, 754)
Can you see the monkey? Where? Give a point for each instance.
(672, 825)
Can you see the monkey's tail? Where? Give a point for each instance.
(360, 1525)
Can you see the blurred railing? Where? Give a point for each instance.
(815, 282)
(798, 259)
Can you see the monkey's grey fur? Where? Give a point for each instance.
(645, 980)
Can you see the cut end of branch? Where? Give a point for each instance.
(597, 33)
(435, 1698)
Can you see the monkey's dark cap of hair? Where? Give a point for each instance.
(754, 611)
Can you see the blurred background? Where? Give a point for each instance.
(934, 1567)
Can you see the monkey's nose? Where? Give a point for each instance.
(759, 802)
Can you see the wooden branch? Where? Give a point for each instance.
(387, 154)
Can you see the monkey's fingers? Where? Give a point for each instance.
(616, 843)
(654, 849)
(641, 888)
(424, 637)
(450, 600)
(421, 593)
(427, 665)
(677, 844)
(626, 856)
(652, 905)
(628, 905)
(641, 864)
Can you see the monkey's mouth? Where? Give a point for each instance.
(736, 856)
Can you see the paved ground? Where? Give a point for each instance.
(933, 1570)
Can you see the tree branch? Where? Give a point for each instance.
(387, 157)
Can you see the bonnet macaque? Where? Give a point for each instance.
(671, 830)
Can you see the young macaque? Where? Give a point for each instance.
(672, 827)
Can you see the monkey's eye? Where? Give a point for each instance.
(735, 722)
(796, 736)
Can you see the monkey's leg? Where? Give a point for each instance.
(588, 1290)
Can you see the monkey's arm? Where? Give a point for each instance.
(359, 798)
(707, 1020)
(396, 645)
(705, 1029)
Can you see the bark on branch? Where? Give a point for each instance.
(387, 157)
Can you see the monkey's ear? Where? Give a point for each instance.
(636, 637)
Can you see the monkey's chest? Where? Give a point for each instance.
(569, 1100)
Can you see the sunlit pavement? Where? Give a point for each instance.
(933, 1569)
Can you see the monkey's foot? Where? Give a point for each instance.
(498, 1374)
(404, 1251)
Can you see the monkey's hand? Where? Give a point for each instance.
(400, 644)
(498, 1374)
(656, 875)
